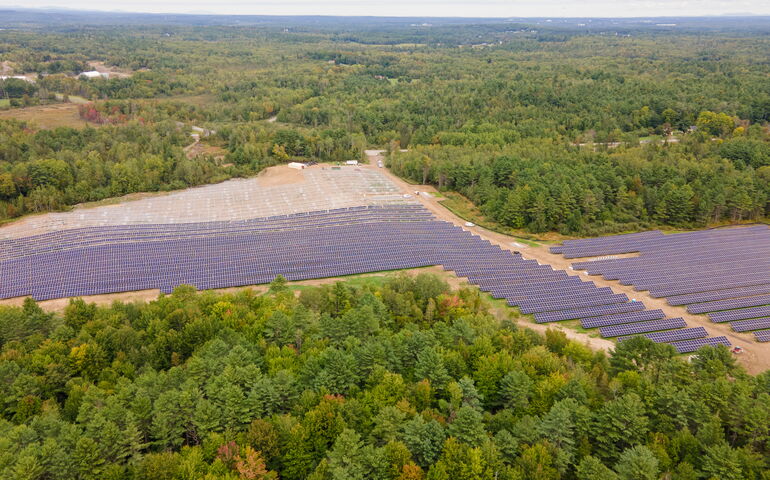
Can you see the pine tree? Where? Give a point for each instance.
(468, 427)
(516, 389)
(638, 463)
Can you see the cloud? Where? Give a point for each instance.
(432, 8)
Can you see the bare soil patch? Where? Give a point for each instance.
(199, 148)
(280, 175)
(59, 304)
(112, 70)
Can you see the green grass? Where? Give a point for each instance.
(465, 209)
(375, 279)
(5, 103)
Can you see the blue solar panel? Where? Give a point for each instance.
(729, 304)
(687, 346)
(671, 335)
(595, 311)
(752, 324)
(740, 314)
(642, 327)
(620, 318)
(762, 335)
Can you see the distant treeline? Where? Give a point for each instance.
(507, 97)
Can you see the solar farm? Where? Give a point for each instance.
(329, 243)
(354, 221)
(694, 270)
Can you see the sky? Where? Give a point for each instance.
(417, 8)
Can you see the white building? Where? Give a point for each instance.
(95, 74)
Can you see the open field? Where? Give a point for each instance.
(48, 116)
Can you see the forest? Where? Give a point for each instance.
(616, 127)
(403, 378)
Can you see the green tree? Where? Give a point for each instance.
(637, 463)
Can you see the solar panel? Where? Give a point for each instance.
(752, 324)
(718, 295)
(620, 318)
(740, 314)
(595, 311)
(642, 327)
(671, 335)
(762, 335)
(693, 269)
(687, 346)
(729, 304)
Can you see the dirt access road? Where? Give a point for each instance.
(755, 358)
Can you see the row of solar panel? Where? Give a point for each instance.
(647, 241)
(693, 269)
(215, 260)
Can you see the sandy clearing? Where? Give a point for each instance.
(113, 71)
(280, 175)
(235, 199)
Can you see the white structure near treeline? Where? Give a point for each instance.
(17, 77)
(297, 165)
(351, 162)
(95, 74)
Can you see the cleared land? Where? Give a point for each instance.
(48, 116)
(316, 188)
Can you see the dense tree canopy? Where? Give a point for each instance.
(407, 380)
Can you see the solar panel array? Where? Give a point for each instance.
(751, 324)
(762, 335)
(642, 327)
(620, 318)
(722, 272)
(672, 336)
(729, 304)
(331, 243)
(687, 346)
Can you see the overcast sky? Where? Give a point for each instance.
(433, 8)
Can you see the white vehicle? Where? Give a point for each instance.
(470, 224)
(379, 164)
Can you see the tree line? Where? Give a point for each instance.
(540, 185)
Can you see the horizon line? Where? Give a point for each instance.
(298, 15)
